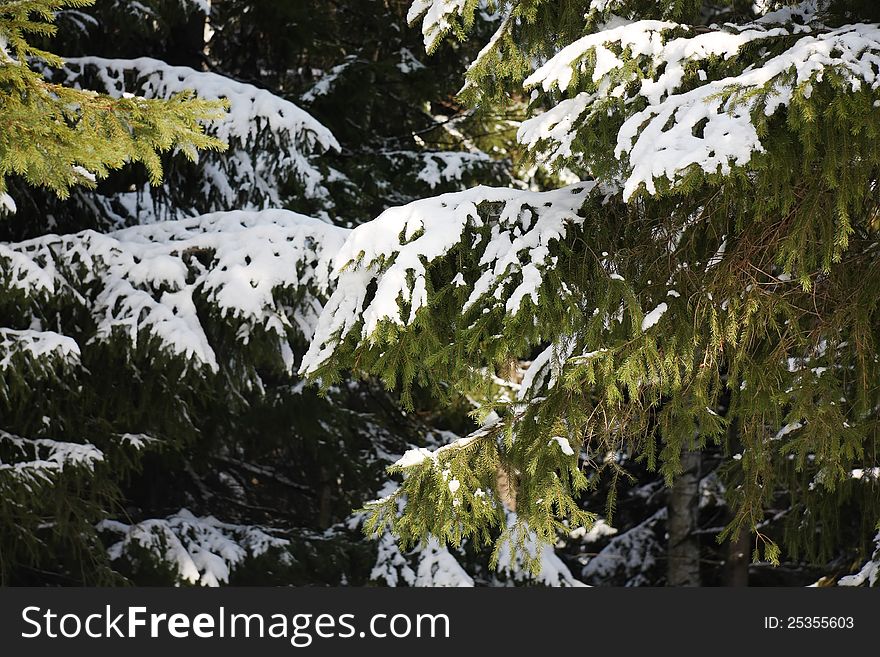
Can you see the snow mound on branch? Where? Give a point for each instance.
(248, 105)
(628, 556)
(21, 272)
(439, 167)
(599, 530)
(201, 550)
(7, 203)
(40, 460)
(436, 169)
(429, 564)
(286, 134)
(712, 126)
(557, 128)
(729, 135)
(654, 316)
(325, 83)
(546, 368)
(563, 444)
(870, 572)
(437, 17)
(203, 6)
(36, 345)
(801, 14)
(392, 252)
(147, 279)
(511, 563)
(640, 38)
(418, 455)
(437, 567)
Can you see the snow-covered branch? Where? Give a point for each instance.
(392, 252)
(146, 281)
(200, 550)
(36, 462)
(657, 76)
(271, 140)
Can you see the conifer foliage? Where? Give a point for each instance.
(714, 281)
(57, 137)
(152, 428)
(540, 272)
(119, 348)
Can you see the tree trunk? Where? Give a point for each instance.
(683, 510)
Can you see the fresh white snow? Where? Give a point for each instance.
(564, 445)
(144, 280)
(661, 140)
(201, 550)
(256, 117)
(392, 252)
(654, 316)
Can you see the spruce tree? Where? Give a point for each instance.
(151, 332)
(57, 137)
(134, 362)
(709, 284)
